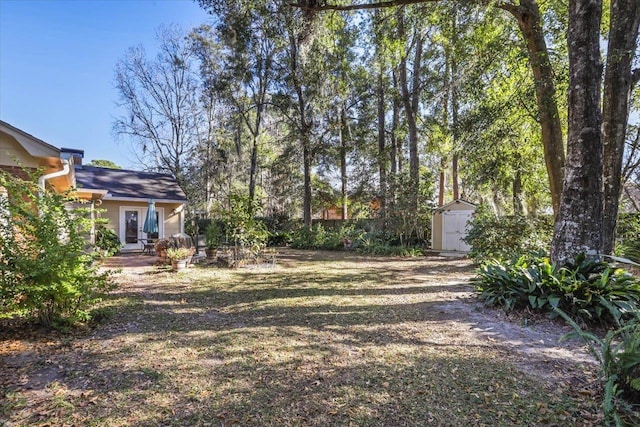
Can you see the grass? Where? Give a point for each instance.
(322, 339)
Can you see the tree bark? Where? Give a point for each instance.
(530, 22)
(454, 176)
(442, 180)
(578, 226)
(518, 208)
(382, 151)
(410, 98)
(625, 17)
(343, 162)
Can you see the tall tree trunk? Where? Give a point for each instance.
(394, 154)
(454, 176)
(530, 23)
(253, 170)
(453, 92)
(442, 181)
(579, 224)
(307, 161)
(410, 98)
(382, 151)
(518, 208)
(625, 18)
(343, 162)
(304, 125)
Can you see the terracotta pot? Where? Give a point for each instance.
(211, 253)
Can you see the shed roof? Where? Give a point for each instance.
(457, 202)
(128, 184)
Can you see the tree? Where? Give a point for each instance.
(104, 164)
(160, 102)
(580, 218)
(618, 83)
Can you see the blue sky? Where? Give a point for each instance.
(57, 62)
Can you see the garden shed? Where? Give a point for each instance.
(448, 226)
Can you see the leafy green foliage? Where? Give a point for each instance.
(504, 237)
(628, 236)
(316, 237)
(618, 355)
(354, 238)
(240, 224)
(44, 270)
(584, 289)
(214, 234)
(107, 240)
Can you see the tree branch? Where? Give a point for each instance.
(314, 6)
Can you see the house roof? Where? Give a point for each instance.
(32, 145)
(127, 184)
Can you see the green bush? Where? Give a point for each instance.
(584, 289)
(241, 226)
(493, 237)
(214, 234)
(44, 271)
(316, 237)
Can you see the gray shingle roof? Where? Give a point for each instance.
(129, 184)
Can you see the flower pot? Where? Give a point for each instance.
(179, 264)
(211, 253)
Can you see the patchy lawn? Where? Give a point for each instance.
(321, 339)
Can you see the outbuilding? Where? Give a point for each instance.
(449, 226)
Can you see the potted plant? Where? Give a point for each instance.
(179, 257)
(213, 237)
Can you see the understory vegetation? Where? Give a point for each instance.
(590, 294)
(47, 272)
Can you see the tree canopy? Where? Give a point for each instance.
(408, 103)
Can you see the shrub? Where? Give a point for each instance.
(584, 289)
(502, 238)
(214, 234)
(44, 271)
(316, 237)
(242, 228)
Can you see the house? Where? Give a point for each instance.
(122, 196)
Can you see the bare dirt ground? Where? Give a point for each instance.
(321, 325)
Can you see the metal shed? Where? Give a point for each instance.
(448, 226)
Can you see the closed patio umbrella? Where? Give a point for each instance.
(151, 220)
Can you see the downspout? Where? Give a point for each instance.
(42, 180)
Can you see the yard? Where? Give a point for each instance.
(321, 339)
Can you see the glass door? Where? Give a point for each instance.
(131, 224)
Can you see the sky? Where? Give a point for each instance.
(57, 66)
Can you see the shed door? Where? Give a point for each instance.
(454, 225)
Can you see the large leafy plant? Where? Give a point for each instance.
(583, 289)
(618, 355)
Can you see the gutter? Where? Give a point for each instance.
(65, 170)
